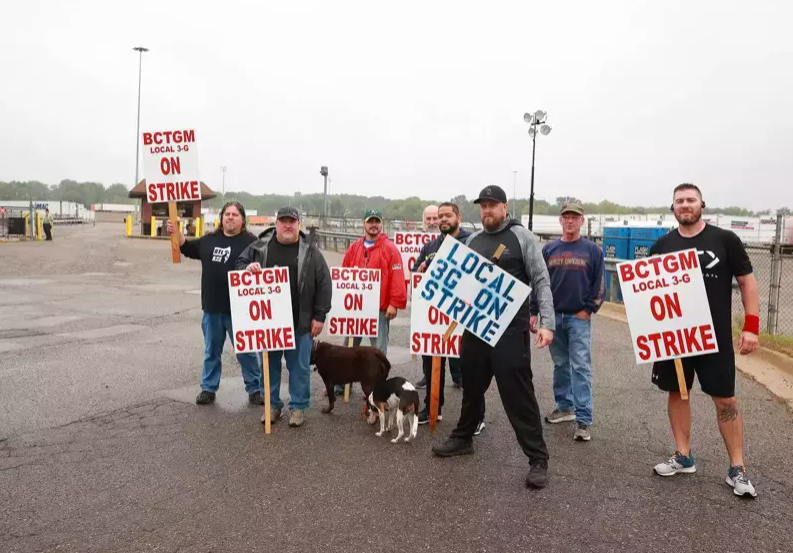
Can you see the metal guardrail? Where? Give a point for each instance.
(330, 240)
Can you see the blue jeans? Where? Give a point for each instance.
(381, 340)
(298, 363)
(572, 366)
(216, 326)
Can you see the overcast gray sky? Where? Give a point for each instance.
(411, 98)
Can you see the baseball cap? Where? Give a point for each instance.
(290, 212)
(372, 214)
(493, 193)
(572, 208)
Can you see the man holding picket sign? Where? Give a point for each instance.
(449, 224)
(218, 251)
(375, 251)
(508, 262)
(692, 344)
(310, 286)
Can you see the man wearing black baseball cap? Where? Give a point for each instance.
(309, 280)
(510, 359)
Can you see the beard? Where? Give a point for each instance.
(452, 228)
(231, 228)
(689, 218)
(492, 222)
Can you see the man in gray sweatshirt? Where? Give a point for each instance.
(510, 359)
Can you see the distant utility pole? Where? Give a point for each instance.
(223, 168)
(140, 50)
(324, 172)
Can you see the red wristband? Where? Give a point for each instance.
(751, 323)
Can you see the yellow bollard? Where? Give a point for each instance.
(39, 227)
(181, 226)
(199, 227)
(153, 226)
(129, 225)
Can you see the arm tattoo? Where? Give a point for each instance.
(728, 413)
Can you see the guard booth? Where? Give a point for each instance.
(157, 214)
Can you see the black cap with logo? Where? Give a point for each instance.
(290, 212)
(493, 193)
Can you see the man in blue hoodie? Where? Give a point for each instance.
(576, 267)
(449, 220)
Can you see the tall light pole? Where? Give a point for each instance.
(535, 119)
(140, 50)
(324, 172)
(223, 168)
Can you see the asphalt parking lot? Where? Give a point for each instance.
(103, 449)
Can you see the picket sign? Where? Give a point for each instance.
(502, 307)
(667, 308)
(355, 305)
(427, 327)
(261, 315)
(409, 245)
(170, 165)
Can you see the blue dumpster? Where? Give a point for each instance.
(642, 239)
(616, 238)
(615, 241)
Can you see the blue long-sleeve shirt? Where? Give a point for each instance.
(577, 276)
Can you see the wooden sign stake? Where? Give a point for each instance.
(347, 385)
(174, 217)
(266, 372)
(435, 392)
(681, 378)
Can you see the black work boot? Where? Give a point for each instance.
(453, 446)
(205, 398)
(255, 399)
(538, 474)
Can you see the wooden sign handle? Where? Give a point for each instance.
(435, 392)
(448, 334)
(347, 385)
(174, 217)
(266, 373)
(681, 378)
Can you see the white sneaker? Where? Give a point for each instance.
(677, 463)
(739, 480)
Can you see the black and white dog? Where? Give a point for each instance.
(397, 399)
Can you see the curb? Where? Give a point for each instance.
(769, 368)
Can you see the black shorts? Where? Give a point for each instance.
(715, 372)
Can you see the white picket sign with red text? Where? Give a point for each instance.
(428, 325)
(261, 310)
(409, 245)
(355, 305)
(170, 165)
(667, 307)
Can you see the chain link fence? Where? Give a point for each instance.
(772, 263)
(773, 269)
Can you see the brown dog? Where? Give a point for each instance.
(342, 365)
